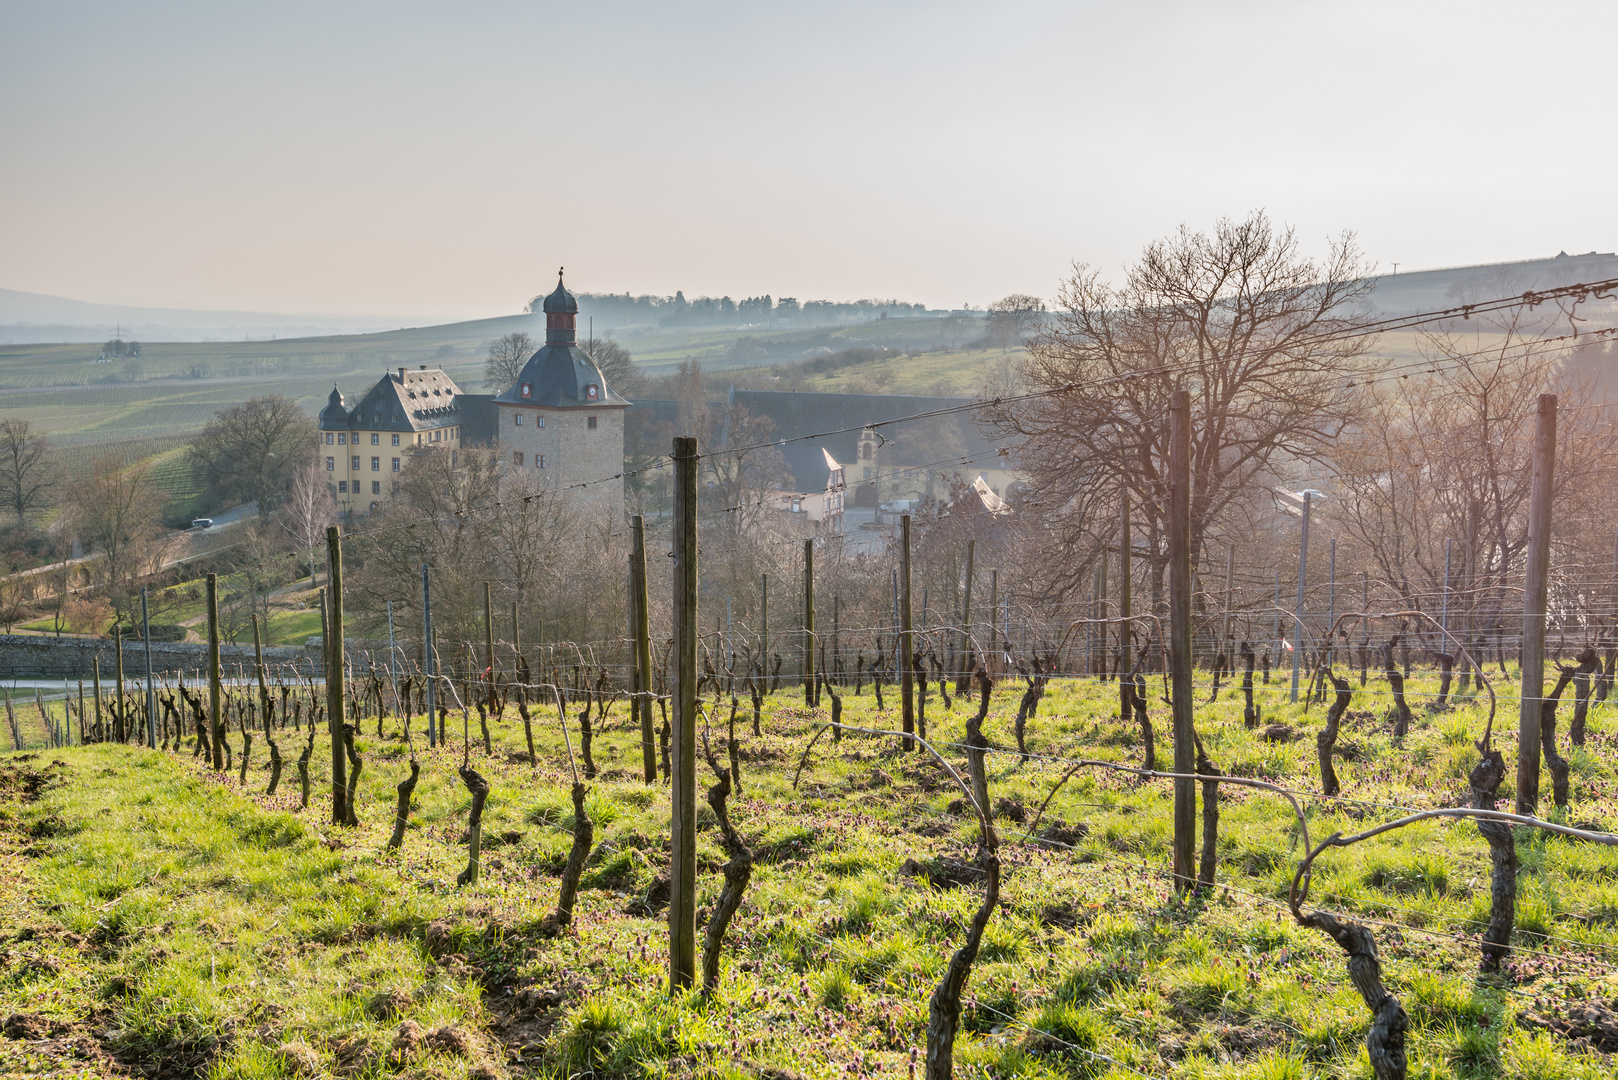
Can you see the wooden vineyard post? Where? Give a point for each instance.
(809, 622)
(95, 676)
(1185, 792)
(994, 614)
(428, 657)
(683, 786)
(151, 689)
(216, 723)
(1297, 614)
(334, 676)
(641, 609)
(488, 647)
(1125, 639)
(119, 711)
(907, 648)
(764, 631)
(1535, 595)
(965, 663)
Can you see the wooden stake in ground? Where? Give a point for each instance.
(1535, 596)
(1185, 792)
(966, 662)
(120, 710)
(334, 676)
(641, 611)
(1126, 689)
(683, 789)
(907, 646)
(216, 723)
(809, 622)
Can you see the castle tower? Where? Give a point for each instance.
(560, 423)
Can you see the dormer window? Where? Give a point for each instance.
(592, 392)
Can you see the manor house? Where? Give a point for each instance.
(558, 427)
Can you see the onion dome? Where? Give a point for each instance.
(335, 414)
(561, 315)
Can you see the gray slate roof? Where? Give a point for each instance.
(408, 399)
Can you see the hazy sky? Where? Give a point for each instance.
(443, 159)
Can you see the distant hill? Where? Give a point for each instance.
(1429, 290)
(29, 318)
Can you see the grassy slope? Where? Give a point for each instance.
(170, 918)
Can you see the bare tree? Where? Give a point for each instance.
(1240, 318)
(308, 509)
(507, 355)
(250, 451)
(1446, 456)
(114, 510)
(622, 374)
(1013, 318)
(26, 472)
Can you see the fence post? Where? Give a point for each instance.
(641, 609)
(1534, 598)
(216, 721)
(764, 632)
(334, 676)
(427, 657)
(1185, 792)
(907, 682)
(683, 762)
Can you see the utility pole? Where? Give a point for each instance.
(1185, 792)
(1535, 595)
(643, 646)
(334, 677)
(1303, 575)
(683, 760)
(907, 686)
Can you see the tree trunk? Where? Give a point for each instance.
(1249, 711)
(1588, 665)
(1385, 1040)
(1210, 822)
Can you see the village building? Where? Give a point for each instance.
(363, 449)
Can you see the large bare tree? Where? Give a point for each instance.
(251, 451)
(507, 355)
(1445, 453)
(1012, 318)
(26, 471)
(622, 374)
(1257, 332)
(114, 511)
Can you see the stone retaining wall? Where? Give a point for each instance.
(30, 656)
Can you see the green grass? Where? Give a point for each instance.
(179, 921)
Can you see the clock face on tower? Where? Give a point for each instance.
(527, 391)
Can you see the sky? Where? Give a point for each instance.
(444, 159)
